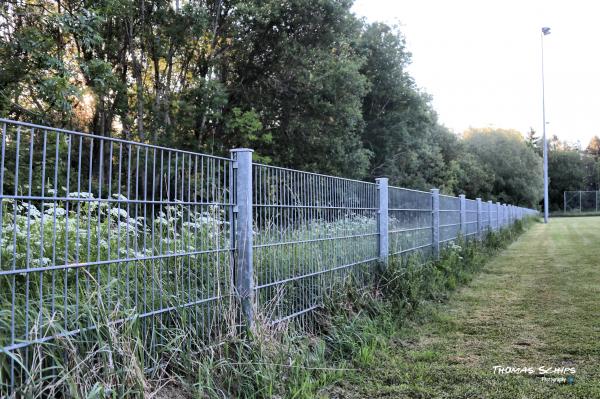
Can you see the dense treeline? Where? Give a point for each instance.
(305, 83)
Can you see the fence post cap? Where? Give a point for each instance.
(382, 179)
(241, 150)
(435, 190)
(461, 196)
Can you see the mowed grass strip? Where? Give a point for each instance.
(535, 305)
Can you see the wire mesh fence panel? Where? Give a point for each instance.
(311, 230)
(485, 217)
(493, 208)
(471, 216)
(581, 201)
(98, 230)
(410, 221)
(449, 218)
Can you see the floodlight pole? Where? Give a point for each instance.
(545, 31)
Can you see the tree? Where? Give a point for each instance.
(517, 168)
(593, 147)
(295, 64)
(401, 128)
(305, 83)
(534, 141)
(566, 172)
(279, 76)
(473, 178)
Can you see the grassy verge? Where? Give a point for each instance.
(574, 214)
(535, 305)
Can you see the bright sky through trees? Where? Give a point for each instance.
(481, 61)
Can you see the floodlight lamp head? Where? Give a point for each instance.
(546, 30)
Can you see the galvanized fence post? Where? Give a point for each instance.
(479, 219)
(382, 220)
(435, 222)
(243, 270)
(463, 214)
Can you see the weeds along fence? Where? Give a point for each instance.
(97, 228)
(581, 201)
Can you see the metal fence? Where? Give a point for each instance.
(95, 225)
(581, 201)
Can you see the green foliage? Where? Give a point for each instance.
(305, 83)
(401, 128)
(571, 169)
(593, 147)
(517, 168)
(567, 172)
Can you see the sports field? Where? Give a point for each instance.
(535, 309)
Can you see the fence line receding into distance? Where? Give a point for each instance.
(93, 225)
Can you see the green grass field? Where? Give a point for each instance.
(535, 305)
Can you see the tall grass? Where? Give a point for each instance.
(112, 266)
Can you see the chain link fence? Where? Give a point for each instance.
(581, 201)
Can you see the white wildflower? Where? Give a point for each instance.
(119, 213)
(81, 195)
(120, 197)
(41, 262)
(128, 227)
(192, 225)
(57, 211)
(161, 220)
(31, 210)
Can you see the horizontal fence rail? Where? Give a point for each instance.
(95, 226)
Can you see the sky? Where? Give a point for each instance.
(481, 61)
